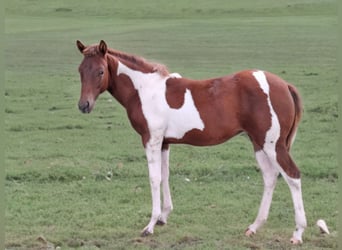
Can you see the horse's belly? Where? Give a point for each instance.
(205, 137)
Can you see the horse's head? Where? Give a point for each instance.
(94, 74)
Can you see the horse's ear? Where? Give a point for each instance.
(103, 47)
(80, 46)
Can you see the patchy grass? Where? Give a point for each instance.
(57, 159)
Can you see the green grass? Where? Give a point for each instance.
(57, 158)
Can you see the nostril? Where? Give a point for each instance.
(84, 107)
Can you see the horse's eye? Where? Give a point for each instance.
(101, 72)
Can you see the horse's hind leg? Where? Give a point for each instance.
(291, 175)
(281, 159)
(269, 174)
(273, 158)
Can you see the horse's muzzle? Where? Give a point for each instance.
(84, 107)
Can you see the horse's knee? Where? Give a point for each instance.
(155, 181)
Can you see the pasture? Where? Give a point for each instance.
(79, 181)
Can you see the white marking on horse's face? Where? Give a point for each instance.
(272, 135)
(151, 87)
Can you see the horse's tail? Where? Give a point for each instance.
(298, 115)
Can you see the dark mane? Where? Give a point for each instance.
(136, 60)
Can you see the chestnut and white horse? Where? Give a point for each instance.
(166, 108)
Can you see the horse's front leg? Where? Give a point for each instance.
(167, 201)
(153, 154)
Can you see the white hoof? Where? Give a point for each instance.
(146, 232)
(249, 232)
(296, 241)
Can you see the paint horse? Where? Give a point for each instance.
(166, 108)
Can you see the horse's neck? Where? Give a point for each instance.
(120, 85)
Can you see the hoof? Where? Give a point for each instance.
(161, 223)
(249, 233)
(145, 233)
(295, 241)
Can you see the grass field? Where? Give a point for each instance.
(57, 159)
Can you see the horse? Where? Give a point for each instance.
(165, 108)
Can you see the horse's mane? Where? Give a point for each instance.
(136, 60)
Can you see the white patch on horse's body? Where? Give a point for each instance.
(158, 114)
(183, 119)
(175, 75)
(272, 135)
